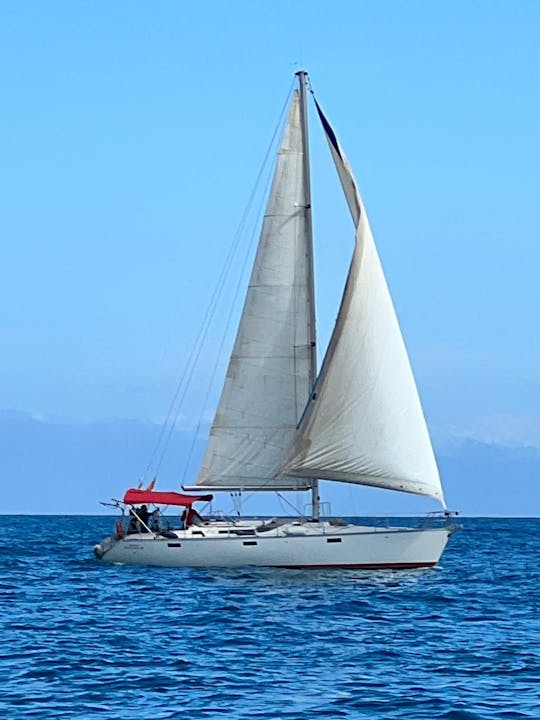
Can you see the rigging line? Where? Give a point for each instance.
(196, 348)
(165, 436)
(225, 333)
(279, 128)
(204, 325)
(223, 278)
(210, 308)
(280, 496)
(296, 510)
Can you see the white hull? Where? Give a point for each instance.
(317, 545)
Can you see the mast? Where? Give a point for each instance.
(302, 87)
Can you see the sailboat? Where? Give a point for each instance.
(282, 426)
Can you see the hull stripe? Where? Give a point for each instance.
(359, 566)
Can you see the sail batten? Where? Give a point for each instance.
(364, 422)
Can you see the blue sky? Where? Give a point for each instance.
(131, 134)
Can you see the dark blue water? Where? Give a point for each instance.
(84, 640)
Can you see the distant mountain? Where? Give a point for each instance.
(60, 467)
(65, 467)
(490, 479)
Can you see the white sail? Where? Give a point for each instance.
(267, 382)
(365, 423)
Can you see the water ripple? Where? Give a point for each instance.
(83, 640)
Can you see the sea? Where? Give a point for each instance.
(81, 639)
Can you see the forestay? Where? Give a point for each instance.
(365, 424)
(267, 382)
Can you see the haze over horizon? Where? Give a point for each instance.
(131, 138)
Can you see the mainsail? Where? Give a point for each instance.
(268, 378)
(365, 423)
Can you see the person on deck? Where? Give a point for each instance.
(153, 519)
(138, 517)
(191, 517)
(144, 516)
(133, 526)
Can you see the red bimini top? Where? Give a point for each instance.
(137, 497)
